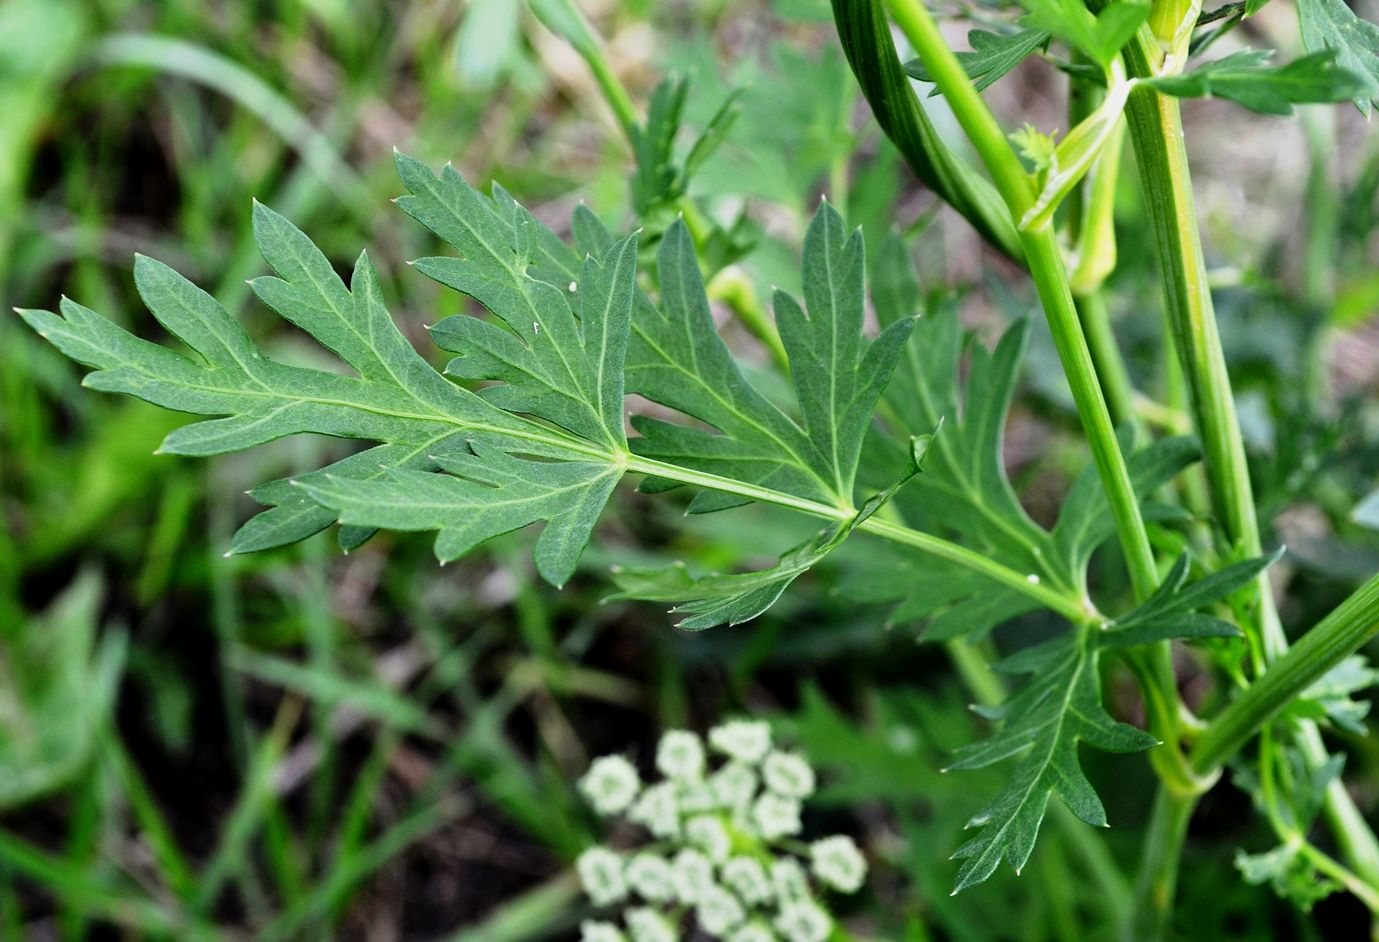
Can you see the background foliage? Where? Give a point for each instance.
(300, 744)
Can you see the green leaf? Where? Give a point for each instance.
(559, 362)
(677, 360)
(1332, 25)
(864, 31)
(731, 599)
(993, 56)
(1244, 78)
(1173, 611)
(419, 418)
(484, 494)
(1331, 698)
(1099, 36)
(55, 694)
(1044, 720)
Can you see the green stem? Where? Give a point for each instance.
(1156, 129)
(1158, 877)
(1335, 638)
(1110, 366)
(1045, 261)
(1076, 610)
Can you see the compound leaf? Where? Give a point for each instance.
(993, 56)
(1045, 720)
(1245, 78)
(1332, 25)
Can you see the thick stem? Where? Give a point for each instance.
(1156, 130)
(1044, 258)
(1158, 879)
(1335, 638)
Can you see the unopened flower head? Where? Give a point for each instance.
(680, 756)
(804, 921)
(838, 863)
(786, 774)
(708, 833)
(725, 866)
(647, 925)
(717, 910)
(592, 930)
(752, 932)
(610, 785)
(789, 880)
(775, 816)
(658, 810)
(600, 870)
(692, 873)
(650, 877)
(746, 877)
(745, 740)
(734, 786)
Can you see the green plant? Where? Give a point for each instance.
(887, 438)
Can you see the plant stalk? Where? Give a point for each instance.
(1044, 258)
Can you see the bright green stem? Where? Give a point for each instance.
(1045, 261)
(1044, 258)
(1335, 638)
(1156, 129)
(1110, 366)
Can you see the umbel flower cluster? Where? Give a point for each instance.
(724, 853)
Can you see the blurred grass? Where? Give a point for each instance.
(309, 746)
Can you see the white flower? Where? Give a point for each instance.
(594, 931)
(746, 877)
(692, 873)
(647, 925)
(658, 810)
(707, 833)
(734, 785)
(696, 797)
(718, 910)
(680, 756)
(650, 877)
(753, 932)
(785, 773)
(789, 879)
(610, 785)
(744, 740)
(804, 921)
(837, 862)
(600, 870)
(775, 817)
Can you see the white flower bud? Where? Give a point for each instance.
(746, 877)
(717, 910)
(707, 833)
(595, 931)
(696, 797)
(838, 863)
(650, 878)
(680, 756)
(745, 740)
(692, 873)
(752, 932)
(775, 817)
(785, 773)
(647, 925)
(610, 785)
(804, 921)
(789, 880)
(658, 810)
(734, 786)
(600, 870)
